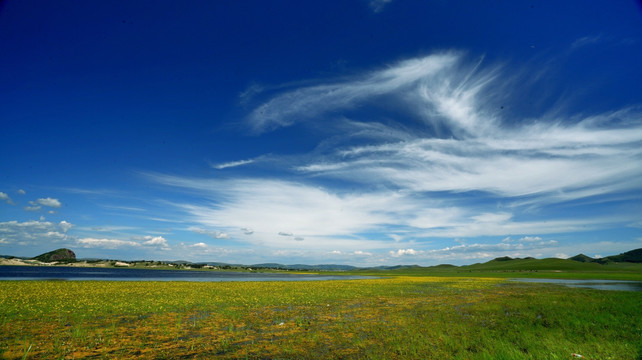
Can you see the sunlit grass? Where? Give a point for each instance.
(405, 317)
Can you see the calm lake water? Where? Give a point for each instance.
(115, 274)
(620, 285)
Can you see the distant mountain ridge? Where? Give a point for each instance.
(633, 256)
(498, 264)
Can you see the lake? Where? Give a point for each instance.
(118, 274)
(620, 285)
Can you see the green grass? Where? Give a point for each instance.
(392, 318)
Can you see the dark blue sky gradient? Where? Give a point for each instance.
(101, 101)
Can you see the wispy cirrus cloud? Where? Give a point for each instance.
(469, 145)
(378, 5)
(232, 164)
(318, 218)
(269, 206)
(307, 103)
(452, 165)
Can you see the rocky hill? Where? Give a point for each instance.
(60, 255)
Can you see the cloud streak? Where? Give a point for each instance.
(306, 104)
(452, 165)
(471, 147)
(232, 164)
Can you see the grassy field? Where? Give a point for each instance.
(394, 318)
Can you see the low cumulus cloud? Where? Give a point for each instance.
(211, 233)
(479, 250)
(38, 204)
(148, 241)
(34, 232)
(50, 202)
(4, 197)
(402, 252)
(156, 241)
(111, 244)
(33, 206)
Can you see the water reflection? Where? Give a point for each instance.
(619, 285)
(118, 274)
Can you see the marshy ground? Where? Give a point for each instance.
(388, 318)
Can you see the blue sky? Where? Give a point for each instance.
(350, 132)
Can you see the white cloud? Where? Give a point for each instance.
(199, 245)
(4, 197)
(33, 206)
(106, 243)
(34, 232)
(530, 239)
(232, 164)
(402, 252)
(210, 233)
(310, 102)
(21, 192)
(337, 220)
(479, 251)
(55, 203)
(362, 253)
(269, 206)
(65, 225)
(157, 241)
(465, 170)
(552, 158)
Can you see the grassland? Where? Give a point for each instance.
(411, 317)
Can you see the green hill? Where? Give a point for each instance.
(622, 267)
(633, 256)
(582, 258)
(60, 255)
(551, 264)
